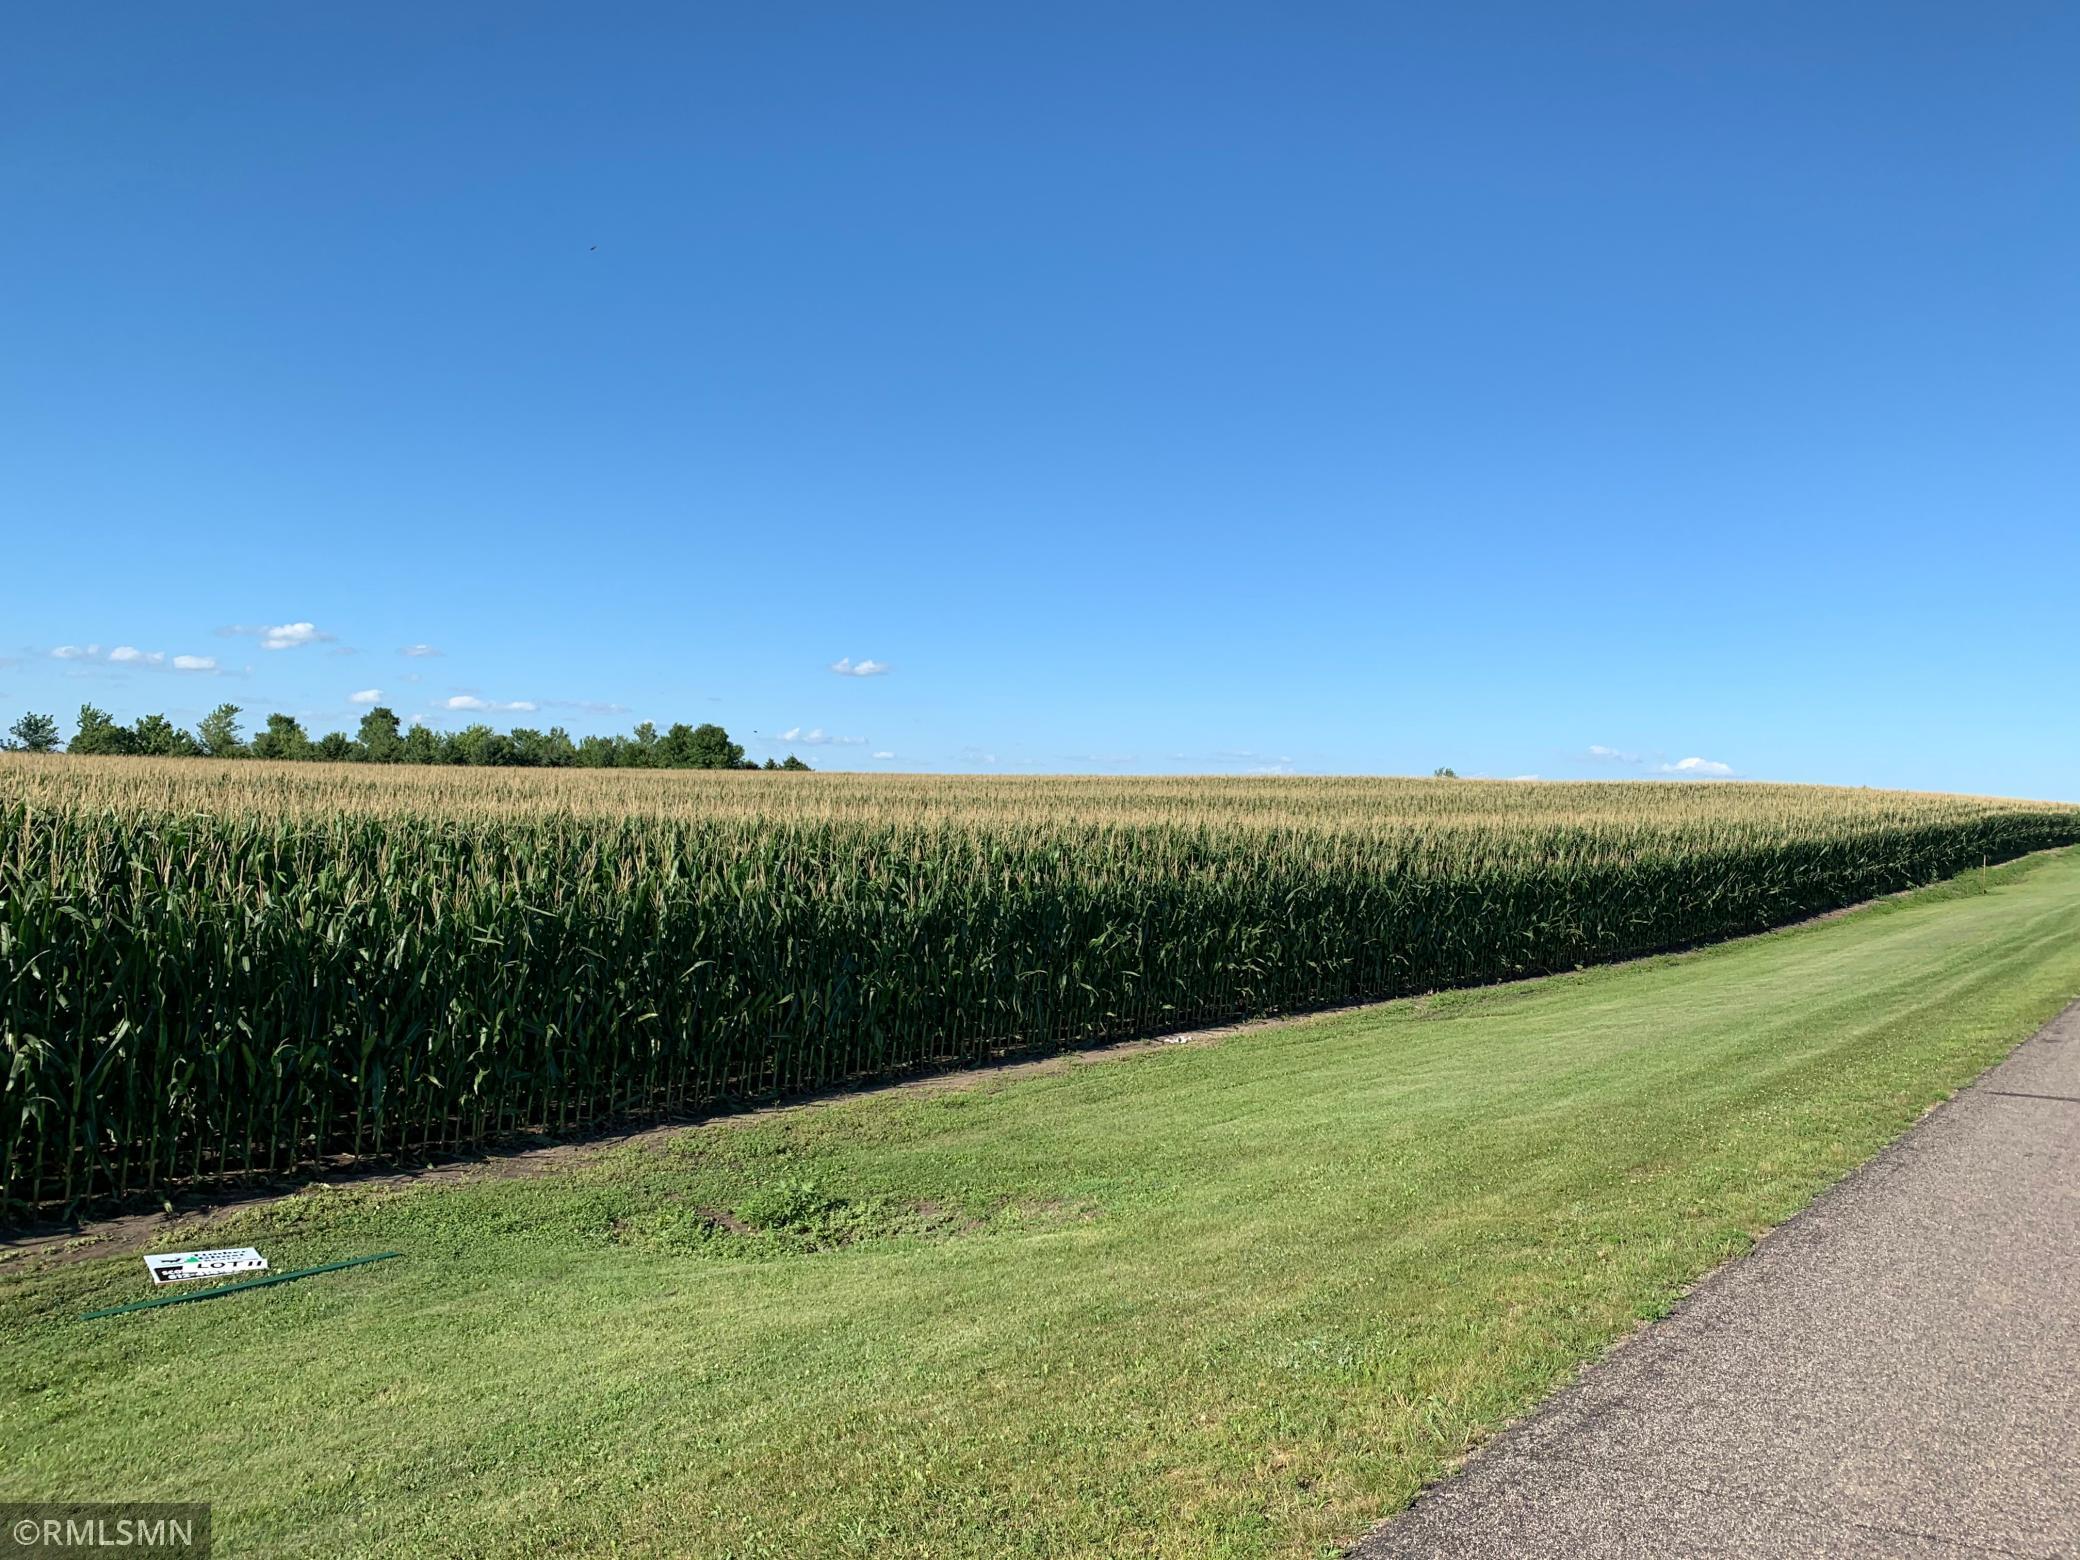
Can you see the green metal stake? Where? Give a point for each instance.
(232, 1289)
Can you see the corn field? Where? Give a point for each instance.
(211, 970)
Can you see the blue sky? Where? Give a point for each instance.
(1354, 388)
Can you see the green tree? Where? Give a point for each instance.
(598, 752)
(161, 738)
(219, 732)
(700, 747)
(1444, 774)
(283, 738)
(34, 733)
(479, 744)
(676, 751)
(98, 733)
(551, 749)
(335, 747)
(714, 749)
(421, 746)
(640, 751)
(381, 740)
(795, 764)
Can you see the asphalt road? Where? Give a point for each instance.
(1894, 1372)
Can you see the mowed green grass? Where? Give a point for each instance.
(1229, 1299)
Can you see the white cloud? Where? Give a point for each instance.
(418, 650)
(847, 667)
(816, 736)
(290, 636)
(469, 701)
(281, 636)
(131, 656)
(1683, 768)
(884, 755)
(365, 696)
(1523, 777)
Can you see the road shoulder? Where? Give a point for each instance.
(1888, 1373)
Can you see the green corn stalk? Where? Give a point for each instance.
(215, 969)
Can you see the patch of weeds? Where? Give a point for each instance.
(1045, 1212)
(804, 1214)
(795, 1216)
(784, 1218)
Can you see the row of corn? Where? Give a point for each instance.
(210, 971)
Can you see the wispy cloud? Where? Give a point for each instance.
(884, 755)
(1695, 769)
(847, 667)
(417, 650)
(1259, 763)
(588, 706)
(129, 657)
(469, 701)
(816, 736)
(1682, 768)
(365, 696)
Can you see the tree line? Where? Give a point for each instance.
(382, 739)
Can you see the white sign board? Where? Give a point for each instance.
(171, 1267)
